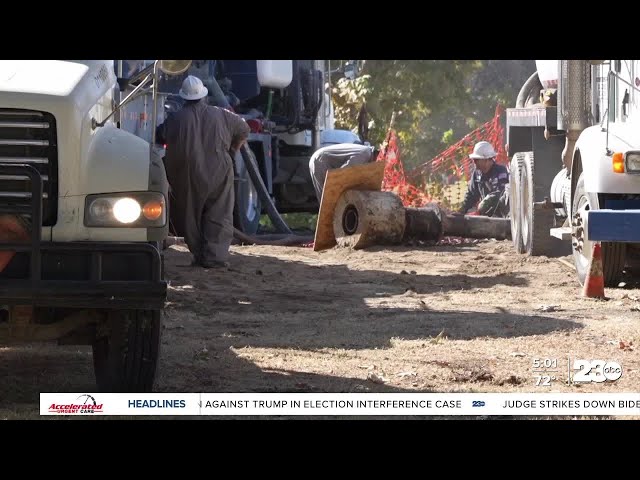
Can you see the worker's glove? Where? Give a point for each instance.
(504, 206)
(489, 203)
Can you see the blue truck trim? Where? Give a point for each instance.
(614, 225)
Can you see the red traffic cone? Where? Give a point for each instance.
(594, 282)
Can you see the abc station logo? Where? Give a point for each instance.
(595, 371)
(84, 404)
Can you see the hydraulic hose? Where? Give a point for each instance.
(282, 240)
(256, 178)
(252, 168)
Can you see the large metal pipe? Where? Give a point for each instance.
(367, 217)
(574, 103)
(424, 224)
(431, 223)
(477, 226)
(530, 86)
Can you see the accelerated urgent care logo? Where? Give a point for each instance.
(82, 405)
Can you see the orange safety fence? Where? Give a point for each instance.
(428, 182)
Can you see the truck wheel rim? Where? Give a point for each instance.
(252, 201)
(583, 249)
(525, 205)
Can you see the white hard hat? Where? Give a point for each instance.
(483, 150)
(193, 89)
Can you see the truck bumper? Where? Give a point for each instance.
(75, 274)
(85, 275)
(613, 225)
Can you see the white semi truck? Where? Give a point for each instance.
(91, 202)
(574, 138)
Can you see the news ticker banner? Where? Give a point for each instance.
(339, 404)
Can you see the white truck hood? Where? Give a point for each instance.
(627, 133)
(45, 77)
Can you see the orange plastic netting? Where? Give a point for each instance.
(442, 179)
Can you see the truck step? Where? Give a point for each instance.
(563, 233)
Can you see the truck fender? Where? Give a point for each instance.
(590, 156)
(117, 161)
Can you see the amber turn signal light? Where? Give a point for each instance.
(153, 210)
(618, 162)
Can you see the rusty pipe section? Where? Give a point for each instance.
(477, 226)
(431, 223)
(424, 224)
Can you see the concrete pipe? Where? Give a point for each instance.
(365, 218)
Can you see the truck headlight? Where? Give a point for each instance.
(126, 210)
(135, 209)
(632, 161)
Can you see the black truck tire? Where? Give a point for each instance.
(248, 206)
(515, 177)
(536, 223)
(613, 254)
(126, 358)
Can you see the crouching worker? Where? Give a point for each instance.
(488, 187)
(340, 155)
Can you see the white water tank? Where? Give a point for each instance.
(548, 73)
(275, 73)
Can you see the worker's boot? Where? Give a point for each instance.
(215, 264)
(196, 260)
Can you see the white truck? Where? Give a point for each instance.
(91, 201)
(574, 138)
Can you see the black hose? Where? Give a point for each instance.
(256, 178)
(282, 240)
(252, 167)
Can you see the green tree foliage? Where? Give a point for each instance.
(436, 102)
(348, 96)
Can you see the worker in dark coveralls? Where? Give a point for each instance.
(340, 155)
(200, 140)
(488, 184)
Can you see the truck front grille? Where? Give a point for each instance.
(29, 137)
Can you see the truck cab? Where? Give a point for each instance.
(575, 169)
(82, 217)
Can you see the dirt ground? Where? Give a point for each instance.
(457, 318)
